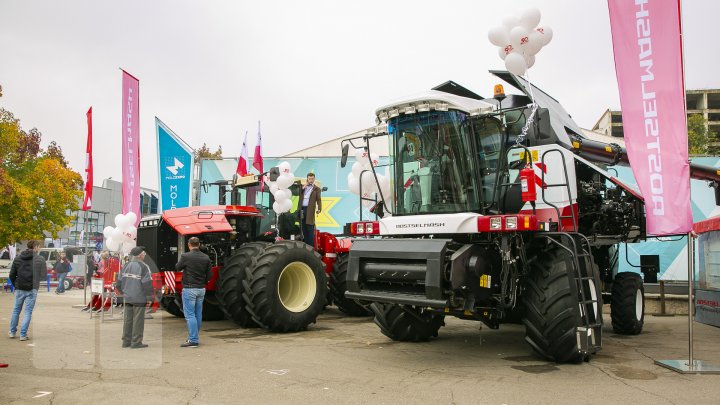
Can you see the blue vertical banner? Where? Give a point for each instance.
(175, 168)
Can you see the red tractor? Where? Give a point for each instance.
(262, 275)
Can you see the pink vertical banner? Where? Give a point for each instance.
(131, 145)
(648, 63)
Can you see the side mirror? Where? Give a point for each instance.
(343, 158)
(324, 189)
(204, 186)
(274, 173)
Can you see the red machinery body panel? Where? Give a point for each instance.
(211, 218)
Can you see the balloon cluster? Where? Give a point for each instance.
(122, 237)
(362, 170)
(520, 38)
(280, 189)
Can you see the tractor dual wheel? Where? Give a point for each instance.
(338, 286)
(551, 310)
(230, 287)
(627, 304)
(286, 288)
(406, 323)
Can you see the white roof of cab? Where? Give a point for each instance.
(433, 96)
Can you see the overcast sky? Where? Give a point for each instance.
(309, 70)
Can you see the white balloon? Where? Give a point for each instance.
(360, 155)
(368, 182)
(519, 37)
(375, 159)
(515, 63)
(284, 181)
(286, 205)
(510, 21)
(131, 232)
(116, 234)
(357, 167)
(126, 247)
(131, 218)
(384, 183)
(529, 60)
(368, 203)
(353, 184)
(284, 167)
(499, 36)
(535, 43)
(112, 244)
(546, 32)
(276, 207)
(530, 18)
(107, 231)
(281, 195)
(119, 220)
(273, 188)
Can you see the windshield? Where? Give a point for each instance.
(488, 134)
(434, 170)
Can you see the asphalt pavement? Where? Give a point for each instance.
(71, 358)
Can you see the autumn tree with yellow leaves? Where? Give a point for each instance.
(37, 187)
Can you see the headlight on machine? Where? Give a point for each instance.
(511, 223)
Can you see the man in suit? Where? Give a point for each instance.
(309, 204)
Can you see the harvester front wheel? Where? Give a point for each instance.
(286, 288)
(230, 287)
(551, 309)
(627, 304)
(406, 323)
(338, 286)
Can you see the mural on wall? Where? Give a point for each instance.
(340, 206)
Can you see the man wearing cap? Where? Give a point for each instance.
(135, 284)
(197, 271)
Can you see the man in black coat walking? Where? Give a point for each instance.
(197, 272)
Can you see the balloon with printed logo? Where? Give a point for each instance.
(360, 155)
(519, 38)
(131, 232)
(515, 63)
(368, 203)
(284, 167)
(546, 34)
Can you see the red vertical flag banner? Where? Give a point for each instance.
(242, 167)
(87, 201)
(131, 145)
(257, 158)
(647, 44)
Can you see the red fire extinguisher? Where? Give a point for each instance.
(527, 184)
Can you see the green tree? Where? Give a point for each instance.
(38, 188)
(204, 153)
(699, 137)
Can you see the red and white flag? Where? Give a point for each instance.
(87, 201)
(257, 159)
(647, 45)
(131, 145)
(242, 167)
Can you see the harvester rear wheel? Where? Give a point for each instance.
(627, 304)
(230, 287)
(286, 288)
(338, 286)
(406, 323)
(551, 310)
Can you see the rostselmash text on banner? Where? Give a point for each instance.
(648, 63)
(175, 167)
(131, 145)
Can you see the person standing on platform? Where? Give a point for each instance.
(197, 271)
(309, 204)
(26, 272)
(135, 284)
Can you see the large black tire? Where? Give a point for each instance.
(552, 312)
(230, 287)
(627, 304)
(286, 288)
(172, 305)
(338, 286)
(406, 324)
(211, 308)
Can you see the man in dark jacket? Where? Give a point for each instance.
(309, 204)
(62, 268)
(25, 273)
(135, 284)
(196, 269)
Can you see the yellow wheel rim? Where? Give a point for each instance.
(296, 287)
